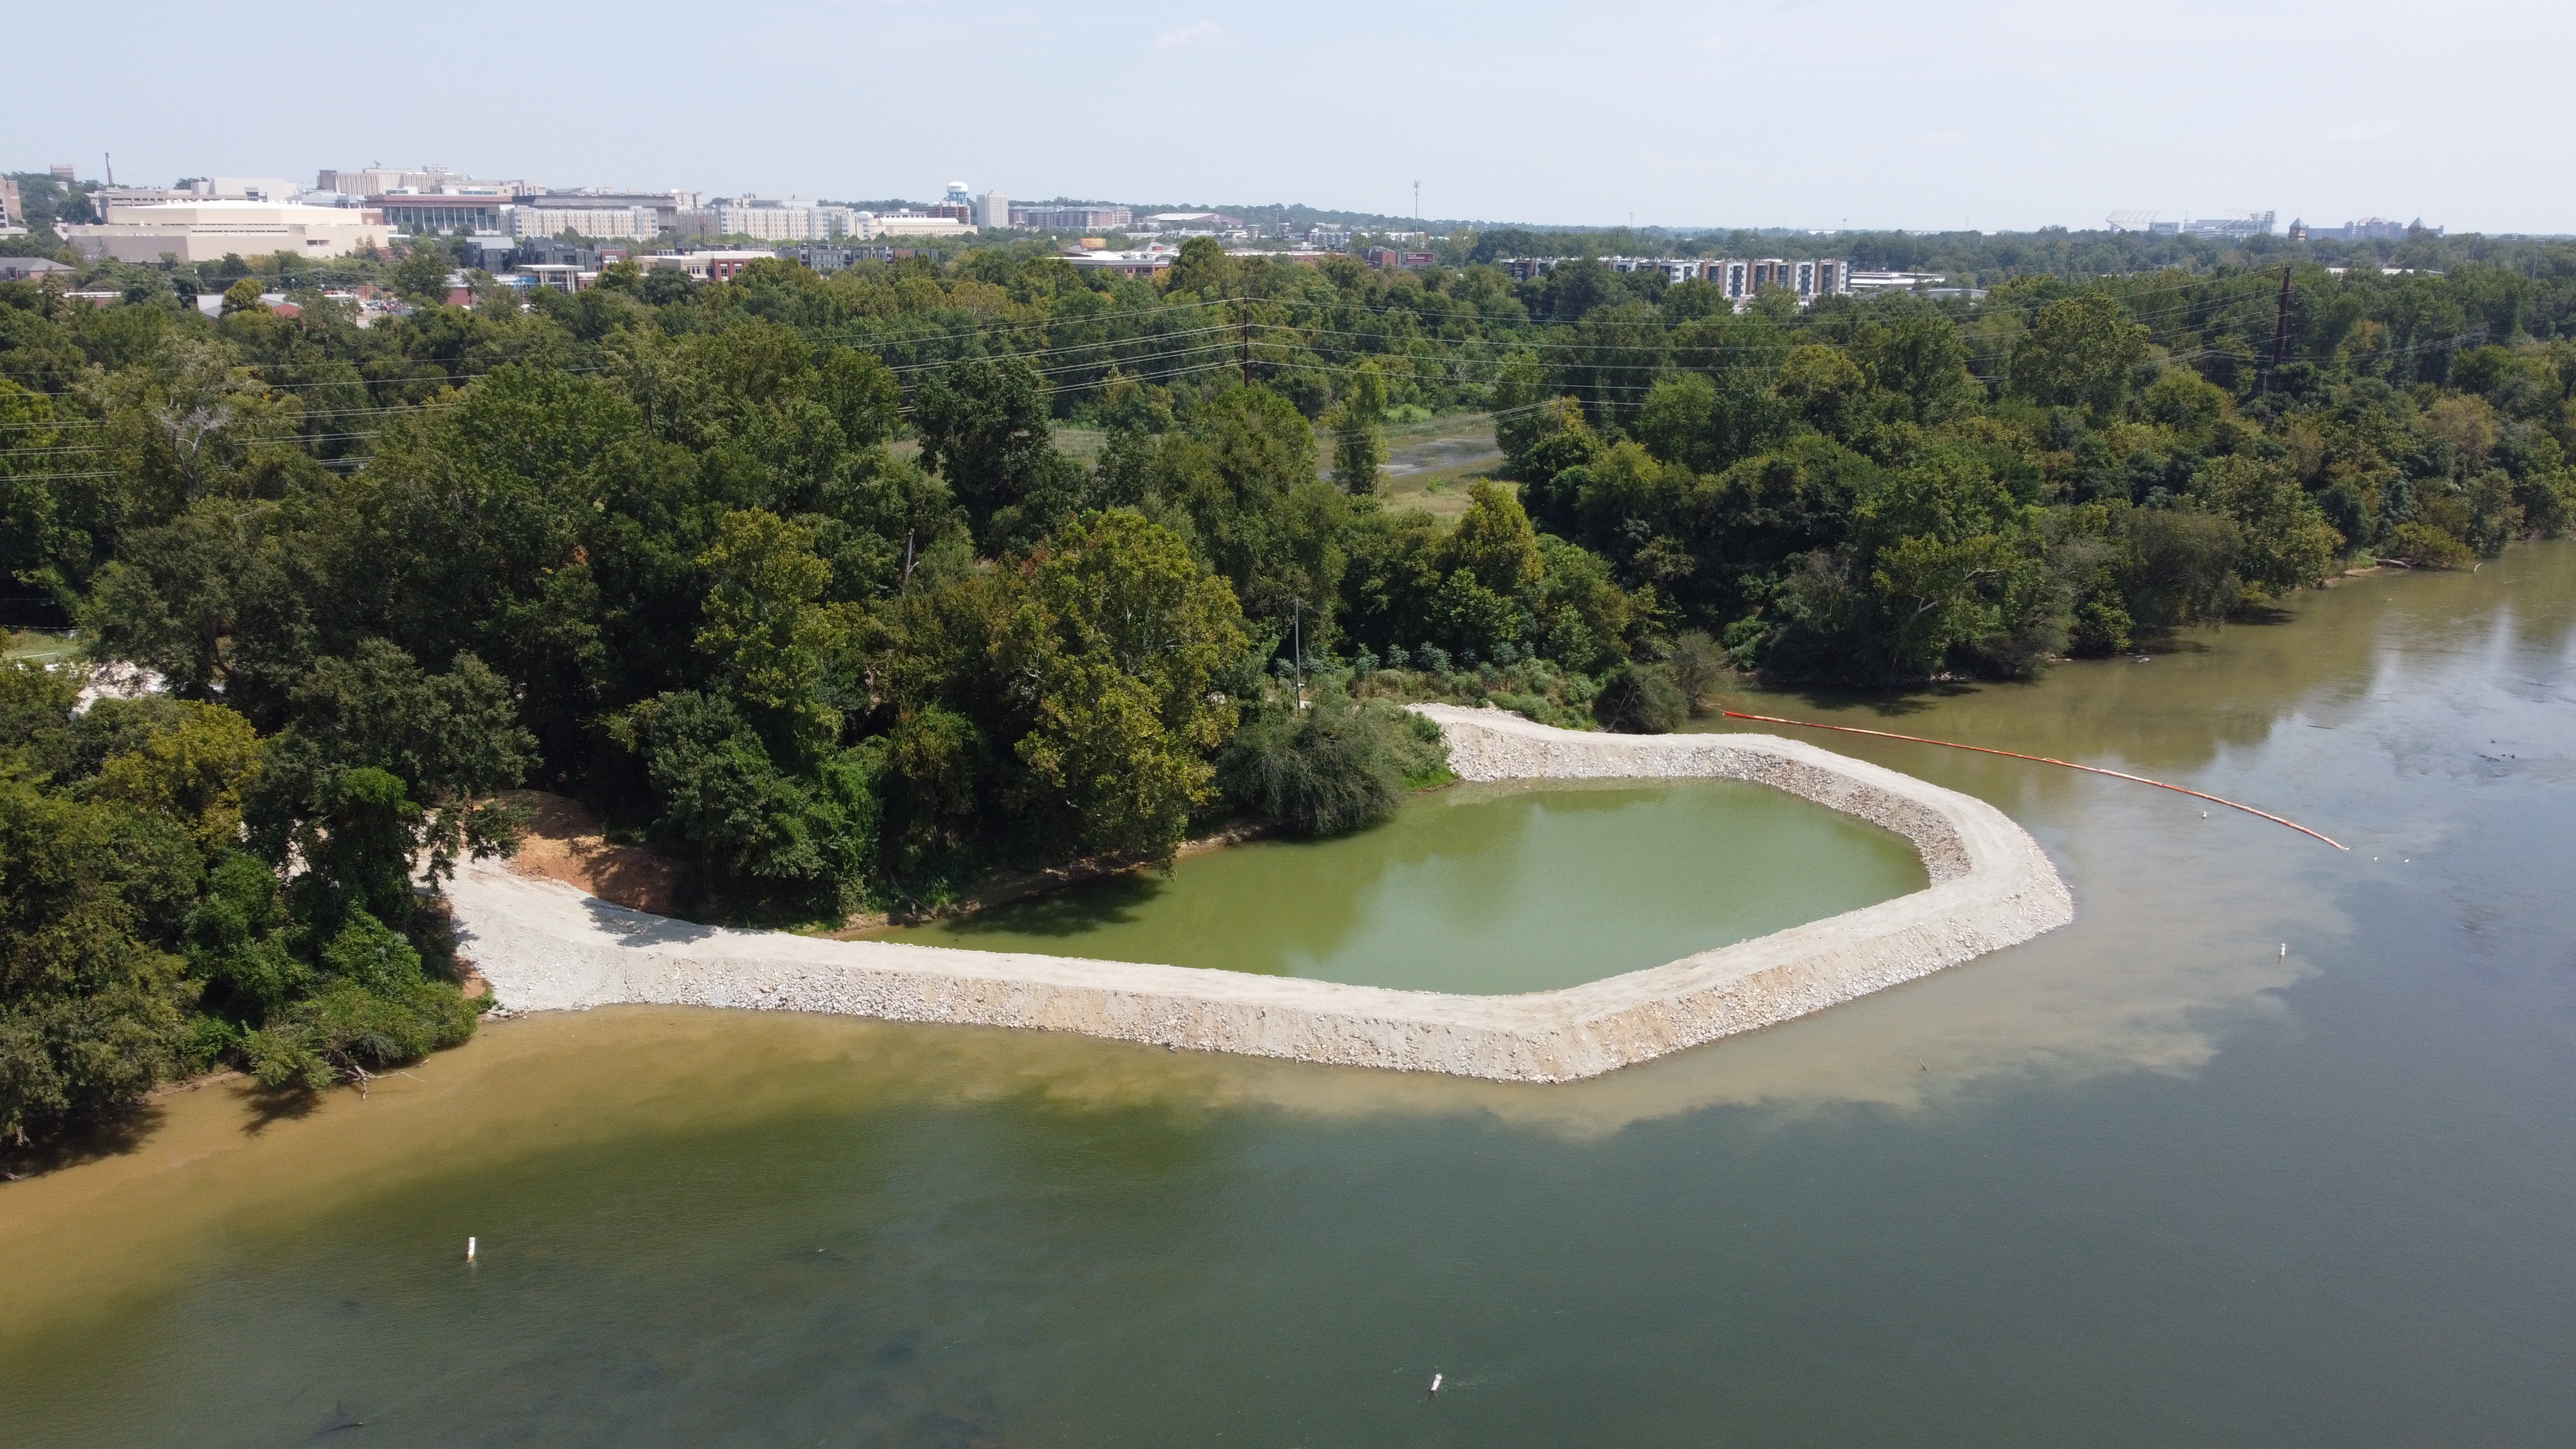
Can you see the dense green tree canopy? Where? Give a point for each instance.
(845, 591)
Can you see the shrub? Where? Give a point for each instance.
(2181, 566)
(2548, 501)
(795, 841)
(1640, 699)
(2102, 624)
(1332, 767)
(1698, 666)
(2425, 547)
(347, 1030)
(1540, 709)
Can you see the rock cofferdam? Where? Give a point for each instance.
(547, 946)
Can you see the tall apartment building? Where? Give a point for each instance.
(1086, 218)
(1808, 277)
(993, 211)
(1737, 280)
(784, 219)
(13, 216)
(666, 206)
(625, 223)
(773, 219)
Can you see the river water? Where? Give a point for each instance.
(2144, 1181)
(1480, 888)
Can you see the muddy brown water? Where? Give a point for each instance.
(2144, 1181)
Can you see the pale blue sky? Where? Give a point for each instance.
(1996, 113)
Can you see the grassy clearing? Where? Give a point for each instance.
(40, 647)
(1429, 464)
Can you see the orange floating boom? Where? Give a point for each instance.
(2041, 759)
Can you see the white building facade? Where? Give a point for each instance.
(1073, 218)
(622, 223)
(906, 224)
(772, 219)
(209, 231)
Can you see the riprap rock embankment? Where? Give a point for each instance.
(545, 945)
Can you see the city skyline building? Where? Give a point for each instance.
(210, 230)
(617, 223)
(1074, 216)
(1737, 280)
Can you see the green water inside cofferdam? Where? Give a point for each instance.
(2146, 1181)
(1480, 888)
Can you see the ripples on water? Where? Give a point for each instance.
(2142, 1181)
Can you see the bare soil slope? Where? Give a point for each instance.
(566, 842)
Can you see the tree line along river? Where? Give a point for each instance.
(2147, 1180)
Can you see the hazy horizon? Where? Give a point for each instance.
(2010, 117)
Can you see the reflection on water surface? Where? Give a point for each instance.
(1481, 888)
(2144, 1181)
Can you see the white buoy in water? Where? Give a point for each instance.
(1435, 1383)
(2285, 950)
(469, 1250)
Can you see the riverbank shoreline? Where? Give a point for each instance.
(568, 843)
(545, 946)
(1003, 887)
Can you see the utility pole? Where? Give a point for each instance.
(1297, 665)
(1244, 306)
(2281, 330)
(1417, 208)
